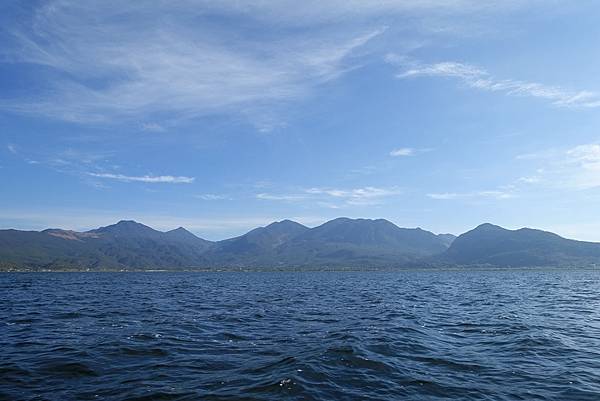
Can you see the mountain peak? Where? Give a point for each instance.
(285, 224)
(180, 234)
(126, 227)
(447, 239)
(284, 228)
(489, 226)
(497, 246)
(373, 234)
(179, 230)
(127, 222)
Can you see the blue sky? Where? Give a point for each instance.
(223, 116)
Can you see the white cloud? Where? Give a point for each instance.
(529, 180)
(402, 152)
(335, 198)
(179, 64)
(281, 197)
(444, 195)
(70, 160)
(581, 168)
(212, 197)
(173, 60)
(478, 78)
(356, 193)
(576, 168)
(145, 178)
(588, 155)
(491, 194)
(153, 127)
(538, 155)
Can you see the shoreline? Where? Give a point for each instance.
(321, 270)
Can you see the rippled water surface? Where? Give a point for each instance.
(417, 335)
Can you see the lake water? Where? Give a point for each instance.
(417, 335)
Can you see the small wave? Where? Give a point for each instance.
(285, 361)
(67, 369)
(426, 336)
(163, 396)
(68, 315)
(144, 352)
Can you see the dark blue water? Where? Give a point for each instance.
(420, 335)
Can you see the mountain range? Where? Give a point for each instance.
(341, 243)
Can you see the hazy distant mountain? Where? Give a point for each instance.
(447, 239)
(497, 246)
(359, 242)
(339, 243)
(263, 238)
(125, 245)
(49, 249)
(127, 229)
(135, 245)
(255, 247)
(183, 236)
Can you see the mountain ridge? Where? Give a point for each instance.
(339, 243)
(489, 244)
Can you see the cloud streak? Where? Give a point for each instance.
(492, 194)
(581, 167)
(213, 197)
(110, 63)
(478, 78)
(151, 179)
(335, 198)
(356, 193)
(105, 61)
(402, 152)
(576, 168)
(315, 12)
(281, 197)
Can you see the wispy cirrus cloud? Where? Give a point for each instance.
(281, 197)
(538, 155)
(70, 160)
(581, 167)
(335, 198)
(529, 179)
(95, 166)
(355, 193)
(152, 179)
(491, 194)
(111, 64)
(105, 61)
(213, 197)
(587, 155)
(478, 78)
(402, 152)
(312, 12)
(153, 127)
(573, 168)
(570, 169)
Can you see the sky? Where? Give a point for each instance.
(224, 116)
